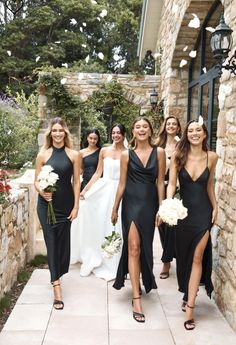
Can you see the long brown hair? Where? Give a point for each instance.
(132, 142)
(48, 136)
(162, 135)
(183, 146)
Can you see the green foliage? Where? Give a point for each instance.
(39, 260)
(23, 276)
(18, 130)
(5, 303)
(91, 112)
(55, 32)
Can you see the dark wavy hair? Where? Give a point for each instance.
(132, 142)
(88, 132)
(162, 135)
(183, 146)
(121, 128)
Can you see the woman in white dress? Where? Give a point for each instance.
(94, 222)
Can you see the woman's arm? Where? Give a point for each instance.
(96, 175)
(161, 173)
(213, 158)
(38, 165)
(171, 188)
(81, 163)
(76, 183)
(121, 186)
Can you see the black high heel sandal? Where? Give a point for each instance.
(189, 325)
(139, 317)
(57, 302)
(183, 306)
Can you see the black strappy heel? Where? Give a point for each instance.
(57, 302)
(139, 317)
(189, 325)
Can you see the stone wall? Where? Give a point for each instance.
(136, 90)
(173, 36)
(14, 236)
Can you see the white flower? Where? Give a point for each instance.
(195, 22)
(47, 168)
(65, 64)
(171, 210)
(111, 245)
(81, 29)
(8, 52)
(84, 45)
(99, 19)
(93, 2)
(46, 177)
(87, 59)
(37, 58)
(57, 42)
(204, 69)
(84, 24)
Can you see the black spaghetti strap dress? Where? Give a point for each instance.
(167, 234)
(90, 163)
(57, 236)
(190, 230)
(139, 205)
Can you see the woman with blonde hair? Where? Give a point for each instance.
(57, 152)
(141, 188)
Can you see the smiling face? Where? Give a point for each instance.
(172, 127)
(195, 133)
(58, 134)
(116, 135)
(92, 139)
(141, 130)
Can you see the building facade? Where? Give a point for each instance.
(178, 32)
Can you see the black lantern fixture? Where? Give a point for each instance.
(153, 98)
(221, 43)
(107, 110)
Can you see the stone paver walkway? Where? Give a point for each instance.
(97, 314)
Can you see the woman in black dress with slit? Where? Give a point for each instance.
(57, 153)
(141, 188)
(194, 165)
(168, 137)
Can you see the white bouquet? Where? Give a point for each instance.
(171, 210)
(111, 245)
(47, 182)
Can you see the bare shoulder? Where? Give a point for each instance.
(73, 154)
(160, 152)
(212, 157)
(42, 156)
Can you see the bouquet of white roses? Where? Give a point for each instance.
(47, 182)
(111, 245)
(171, 210)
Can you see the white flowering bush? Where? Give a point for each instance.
(111, 245)
(171, 210)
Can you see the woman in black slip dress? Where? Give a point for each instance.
(89, 155)
(141, 188)
(57, 153)
(194, 165)
(168, 137)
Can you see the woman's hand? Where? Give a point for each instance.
(214, 215)
(73, 214)
(81, 196)
(46, 195)
(114, 216)
(158, 220)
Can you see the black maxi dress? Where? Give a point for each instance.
(190, 230)
(167, 234)
(90, 163)
(139, 205)
(57, 236)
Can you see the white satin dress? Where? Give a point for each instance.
(94, 223)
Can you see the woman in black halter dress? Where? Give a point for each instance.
(89, 155)
(141, 188)
(194, 165)
(57, 153)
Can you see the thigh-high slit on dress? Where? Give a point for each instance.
(191, 230)
(139, 205)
